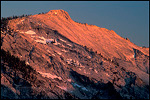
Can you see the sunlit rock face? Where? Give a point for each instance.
(53, 57)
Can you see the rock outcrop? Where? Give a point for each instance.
(52, 57)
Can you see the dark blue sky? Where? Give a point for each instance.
(127, 18)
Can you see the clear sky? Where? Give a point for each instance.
(127, 18)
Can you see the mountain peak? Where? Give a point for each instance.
(70, 58)
(59, 12)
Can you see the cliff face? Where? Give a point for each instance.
(58, 50)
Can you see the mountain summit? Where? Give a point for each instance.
(102, 40)
(60, 13)
(51, 56)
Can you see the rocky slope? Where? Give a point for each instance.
(57, 53)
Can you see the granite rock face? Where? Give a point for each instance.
(49, 56)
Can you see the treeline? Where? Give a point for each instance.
(15, 17)
(42, 13)
(83, 23)
(4, 20)
(80, 22)
(17, 65)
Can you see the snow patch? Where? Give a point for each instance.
(32, 36)
(42, 38)
(22, 20)
(90, 68)
(77, 63)
(53, 54)
(62, 87)
(62, 40)
(55, 12)
(84, 89)
(40, 41)
(133, 56)
(62, 45)
(48, 75)
(44, 41)
(48, 51)
(64, 50)
(56, 43)
(107, 74)
(111, 60)
(79, 68)
(21, 31)
(76, 85)
(30, 32)
(59, 53)
(49, 40)
(27, 63)
(69, 80)
(95, 71)
(69, 61)
(69, 45)
(39, 24)
(82, 66)
(89, 57)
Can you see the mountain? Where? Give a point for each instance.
(51, 56)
